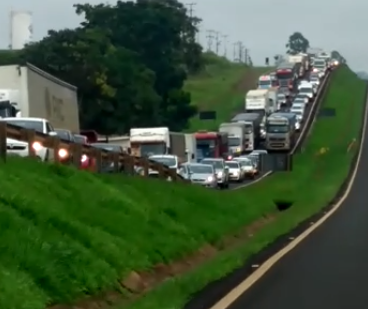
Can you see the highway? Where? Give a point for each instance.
(329, 269)
(247, 182)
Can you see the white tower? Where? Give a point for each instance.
(21, 29)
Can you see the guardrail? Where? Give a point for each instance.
(99, 157)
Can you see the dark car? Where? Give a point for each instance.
(108, 166)
(64, 154)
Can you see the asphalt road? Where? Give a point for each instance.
(329, 269)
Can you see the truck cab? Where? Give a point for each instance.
(211, 144)
(146, 142)
(264, 82)
(280, 130)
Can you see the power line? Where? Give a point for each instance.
(190, 8)
(210, 36)
(218, 42)
(224, 39)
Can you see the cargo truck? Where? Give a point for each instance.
(236, 136)
(26, 91)
(257, 101)
(191, 147)
(299, 60)
(280, 131)
(157, 141)
(252, 123)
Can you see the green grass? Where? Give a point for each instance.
(220, 87)
(66, 233)
(313, 183)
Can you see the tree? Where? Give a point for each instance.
(86, 58)
(336, 55)
(155, 30)
(129, 62)
(297, 44)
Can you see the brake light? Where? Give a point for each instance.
(229, 157)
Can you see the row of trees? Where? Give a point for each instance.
(297, 43)
(129, 62)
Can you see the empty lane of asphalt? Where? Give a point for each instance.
(329, 269)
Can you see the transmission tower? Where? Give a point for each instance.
(218, 42)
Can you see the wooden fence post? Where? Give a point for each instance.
(29, 136)
(76, 150)
(3, 140)
(115, 160)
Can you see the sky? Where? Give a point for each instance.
(262, 25)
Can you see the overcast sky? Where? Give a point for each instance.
(263, 25)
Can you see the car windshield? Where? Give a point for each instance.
(234, 141)
(108, 147)
(201, 169)
(245, 162)
(215, 163)
(80, 139)
(314, 79)
(319, 64)
(28, 124)
(281, 96)
(63, 134)
(303, 89)
(232, 164)
(277, 129)
(171, 162)
(296, 112)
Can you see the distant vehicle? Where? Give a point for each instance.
(20, 148)
(235, 171)
(108, 167)
(281, 100)
(301, 97)
(248, 167)
(64, 155)
(221, 170)
(200, 174)
(314, 80)
(307, 90)
(255, 154)
(320, 67)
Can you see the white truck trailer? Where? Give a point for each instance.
(34, 93)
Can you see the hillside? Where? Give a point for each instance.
(221, 87)
(67, 234)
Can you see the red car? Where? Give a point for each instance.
(87, 163)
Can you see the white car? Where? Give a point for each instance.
(20, 148)
(308, 91)
(235, 171)
(248, 167)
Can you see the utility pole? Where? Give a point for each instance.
(246, 55)
(218, 42)
(224, 40)
(238, 51)
(210, 36)
(190, 8)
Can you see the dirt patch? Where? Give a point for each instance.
(137, 283)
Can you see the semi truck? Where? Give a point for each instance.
(280, 131)
(211, 144)
(27, 91)
(252, 123)
(236, 136)
(146, 142)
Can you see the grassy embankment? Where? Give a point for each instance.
(220, 87)
(65, 233)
